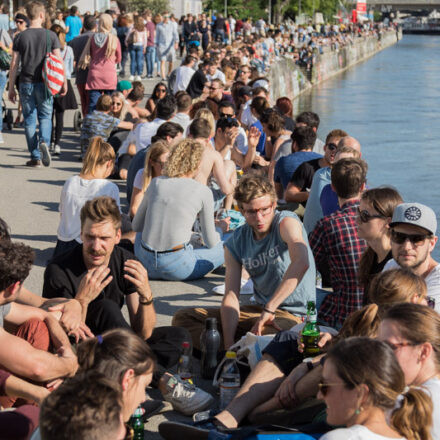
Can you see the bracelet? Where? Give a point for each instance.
(268, 311)
(145, 302)
(309, 365)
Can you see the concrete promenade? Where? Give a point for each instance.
(29, 204)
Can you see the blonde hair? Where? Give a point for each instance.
(396, 286)
(205, 113)
(101, 209)
(33, 9)
(124, 107)
(253, 186)
(184, 159)
(98, 153)
(154, 152)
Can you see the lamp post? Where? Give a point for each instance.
(226, 8)
(270, 12)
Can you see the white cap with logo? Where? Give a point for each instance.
(415, 214)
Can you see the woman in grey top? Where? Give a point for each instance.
(167, 214)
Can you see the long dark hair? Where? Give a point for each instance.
(154, 97)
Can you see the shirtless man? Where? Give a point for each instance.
(213, 164)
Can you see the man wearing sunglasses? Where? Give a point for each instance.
(413, 229)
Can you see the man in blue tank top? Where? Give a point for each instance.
(273, 248)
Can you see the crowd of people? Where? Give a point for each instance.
(216, 175)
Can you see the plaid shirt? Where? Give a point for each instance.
(335, 240)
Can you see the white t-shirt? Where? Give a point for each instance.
(241, 142)
(183, 120)
(247, 118)
(433, 388)
(183, 77)
(76, 192)
(432, 281)
(217, 75)
(355, 432)
(137, 182)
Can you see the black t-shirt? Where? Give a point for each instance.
(196, 84)
(32, 45)
(289, 123)
(64, 274)
(303, 175)
(374, 270)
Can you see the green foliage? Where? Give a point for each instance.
(327, 7)
(156, 6)
(240, 8)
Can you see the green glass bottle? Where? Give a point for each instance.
(310, 332)
(137, 424)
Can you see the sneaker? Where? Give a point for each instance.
(137, 78)
(45, 154)
(33, 163)
(247, 288)
(51, 147)
(131, 78)
(186, 398)
(57, 150)
(1, 138)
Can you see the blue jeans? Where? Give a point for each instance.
(94, 96)
(186, 264)
(3, 80)
(136, 60)
(150, 58)
(124, 58)
(37, 102)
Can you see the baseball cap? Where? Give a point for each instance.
(415, 214)
(124, 85)
(245, 91)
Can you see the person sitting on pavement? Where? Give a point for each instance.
(155, 161)
(303, 139)
(171, 133)
(335, 244)
(321, 178)
(160, 91)
(101, 276)
(100, 123)
(311, 119)
(167, 214)
(91, 182)
(413, 239)
(272, 246)
(135, 97)
(301, 181)
(183, 102)
(87, 406)
(26, 351)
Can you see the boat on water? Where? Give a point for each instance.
(429, 25)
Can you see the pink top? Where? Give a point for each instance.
(141, 38)
(102, 71)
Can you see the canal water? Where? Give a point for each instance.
(390, 104)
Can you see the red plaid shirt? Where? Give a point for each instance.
(335, 240)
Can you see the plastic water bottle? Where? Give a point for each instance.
(210, 345)
(229, 380)
(184, 368)
(137, 424)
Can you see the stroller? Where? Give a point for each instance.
(8, 117)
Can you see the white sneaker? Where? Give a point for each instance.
(56, 150)
(185, 397)
(137, 78)
(1, 138)
(45, 155)
(247, 288)
(131, 78)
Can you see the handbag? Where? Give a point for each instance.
(5, 57)
(53, 70)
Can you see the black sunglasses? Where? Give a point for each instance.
(365, 216)
(332, 146)
(415, 239)
(224, 115)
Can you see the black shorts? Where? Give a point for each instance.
(124, 161)
(284, 350)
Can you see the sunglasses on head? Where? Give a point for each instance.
(325, 387)
(416, 239)
(332, 146)
(365, 216)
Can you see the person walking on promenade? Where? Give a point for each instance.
(30, 47)
(167, 40)
(137, 43)
(150, 54)
(73, 24)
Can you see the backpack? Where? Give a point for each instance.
(53, 70)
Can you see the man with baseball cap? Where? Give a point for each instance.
(413, 239)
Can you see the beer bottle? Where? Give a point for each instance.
(137, 424)
(310, 332)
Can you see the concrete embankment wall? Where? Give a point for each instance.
(288, 79)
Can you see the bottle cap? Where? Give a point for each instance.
(211, 324)
(185, 344)
(231, 355)
(139, 412)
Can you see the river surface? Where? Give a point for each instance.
(389, 103)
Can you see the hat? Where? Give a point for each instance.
(261, 83)
(245, 91)
(415, 214)
(124, 85)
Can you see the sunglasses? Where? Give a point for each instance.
(161, 90)
(325, 387)
(225, 115)
(365, 216)
(415, 239)
(332, 146)
(395, 347)
(431, 302)
(19, 21)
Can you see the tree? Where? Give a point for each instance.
(156, 6)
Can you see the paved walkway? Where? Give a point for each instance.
(29, 204)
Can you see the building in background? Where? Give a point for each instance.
(183, 7)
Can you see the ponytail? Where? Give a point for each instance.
(413, 419)
(98, 153)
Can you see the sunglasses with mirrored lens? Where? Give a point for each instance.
(365, 216)
(416, 239)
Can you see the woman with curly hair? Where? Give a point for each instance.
(166, 215)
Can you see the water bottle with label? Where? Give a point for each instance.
(229, 379)
(184, 368)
